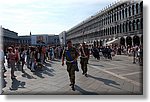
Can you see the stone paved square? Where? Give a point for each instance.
(105, 79)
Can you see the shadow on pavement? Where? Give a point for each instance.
(57, 60)
(3, 83)
(48, 64)
(54, 61)
(16, 84)
(106, 81)
(47, 70)
(84, 92)
(39, 74)
(26, 75)
(117, 60)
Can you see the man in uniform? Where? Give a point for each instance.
(71, 55)
(84, 58)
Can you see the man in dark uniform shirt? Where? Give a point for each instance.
(84, 58)
(71, 55)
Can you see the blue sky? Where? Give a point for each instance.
(47, 16)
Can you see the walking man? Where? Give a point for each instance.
(84, 58)
(71, 55)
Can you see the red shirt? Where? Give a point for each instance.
(11, 56)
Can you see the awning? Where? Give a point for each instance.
(112, 41)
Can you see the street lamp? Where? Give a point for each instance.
(56, 42)
(83, 32)
(62, 40)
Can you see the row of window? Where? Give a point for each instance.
(121, 28)
(124, 13)
(9, 41)
(24, 41)
(8, 33)
(110, 18)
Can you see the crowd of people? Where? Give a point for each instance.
(34, 57)
(111, 50)
(72, 53)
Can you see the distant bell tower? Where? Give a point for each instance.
(30, 33)
(30, 38)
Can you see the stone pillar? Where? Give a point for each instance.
(132, 40)
(125, 41)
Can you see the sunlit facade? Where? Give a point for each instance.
(122, 20)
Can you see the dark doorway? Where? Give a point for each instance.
(97, 43)
(101, 43)
(136, 40)
(94, 43)
(129, 41)
(122, 41)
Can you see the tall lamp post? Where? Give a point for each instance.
(56, 42)
(62, 41)
(83, 32)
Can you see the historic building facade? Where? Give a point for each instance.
(24, 40)
(45, 39)
(122, 20)
(9, 37)
(53, 40)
